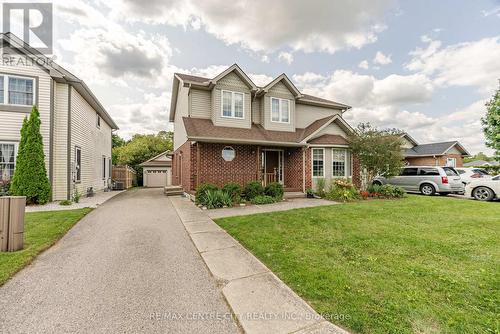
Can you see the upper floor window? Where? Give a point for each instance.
(280, 110)
(233, 104)
(16, 90)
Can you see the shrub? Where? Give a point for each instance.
(217, 199)
(275, 190)
(342, 190)
(373, 188)
(200, 196)
(310, 192)
(390, 191)
(4, 188)
(320, 187)
(76, 196)
(263, 199)
(30, 177)
(65, 202)
(253, 189)
(234, 190)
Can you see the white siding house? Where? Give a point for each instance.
(76, 129)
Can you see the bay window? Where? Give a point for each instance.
(15, 90)
(233, 105)
(318, 162)
(280, 110)
(7, 161)
(339, 162)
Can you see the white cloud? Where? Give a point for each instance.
(464, 64)
(364, 64)
(382, 59)
(325, 26)
(265, 59)
(494, 11)
(287, 57)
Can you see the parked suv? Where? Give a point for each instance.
(427, 180)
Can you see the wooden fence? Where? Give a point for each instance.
(126, 175)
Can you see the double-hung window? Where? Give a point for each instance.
(280, 110)
(15, 90)
(339, 159)
(318, 162)
(7, 161)
(233, 105)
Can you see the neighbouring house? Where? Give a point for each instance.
(481, 163)
(450, 153)
(227, 129)
(157, 171)
(75, 127)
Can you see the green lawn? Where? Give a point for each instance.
(416, 265)
(41, 230)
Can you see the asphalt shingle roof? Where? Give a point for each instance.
(430, 149)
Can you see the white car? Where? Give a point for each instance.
(467, 174)
(484, 189)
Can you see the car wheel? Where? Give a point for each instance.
(427, 189)
(483, 194)
(377, 183)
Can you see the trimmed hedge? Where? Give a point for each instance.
(275, 190)
(253, 189)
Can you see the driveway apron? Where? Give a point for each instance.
(128, 267)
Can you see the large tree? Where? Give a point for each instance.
(379, 151)
(491, 123)
(30, 176)
(141, 148)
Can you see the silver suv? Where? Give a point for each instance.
(427, 180)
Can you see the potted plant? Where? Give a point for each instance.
(310, 193)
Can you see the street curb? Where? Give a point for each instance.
(249, 287)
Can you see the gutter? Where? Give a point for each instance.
(244, 141)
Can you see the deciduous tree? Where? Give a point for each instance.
(491, 123)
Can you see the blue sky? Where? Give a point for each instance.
(426, 67)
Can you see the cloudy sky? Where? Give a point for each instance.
(423, 66)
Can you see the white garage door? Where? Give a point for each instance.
(156, 177)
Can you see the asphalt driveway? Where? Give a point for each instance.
(127, 267)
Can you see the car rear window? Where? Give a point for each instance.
(450, 171)
(428, 171)
(480, 171)
(460, 171)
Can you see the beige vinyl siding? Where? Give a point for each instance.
(60, 145)
(200, 103)
(406, 143)
(94, 142)
(11, 121)
(181, 110)
(453, 150)
(279, 90)
(331, 129)
(231, 82)
(306, 114)
(256, 117)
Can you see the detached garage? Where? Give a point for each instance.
(157, 171)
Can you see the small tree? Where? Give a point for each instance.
(379, 152)
(491, 124)
(30, 177)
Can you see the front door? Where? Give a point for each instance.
(272, 166)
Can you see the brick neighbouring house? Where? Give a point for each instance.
(227, 129)
(449, 153)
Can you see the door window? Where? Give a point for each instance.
(409, 171)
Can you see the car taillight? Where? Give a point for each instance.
(444, 179)
(476, 175)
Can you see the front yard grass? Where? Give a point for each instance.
(416, 265)
(41, 230)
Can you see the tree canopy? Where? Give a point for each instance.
(491, 123)
(379, 152)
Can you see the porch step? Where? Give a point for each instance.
(293, 194)
(173, 190)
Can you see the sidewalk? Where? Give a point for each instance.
(261, 302)
(85, 202)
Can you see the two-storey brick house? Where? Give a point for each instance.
(227, 129)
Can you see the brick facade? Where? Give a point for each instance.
(356, 171)
(437, 161)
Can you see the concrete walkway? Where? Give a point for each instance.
(85, 202)
(127, 267)
(295, 203)
(259, 299)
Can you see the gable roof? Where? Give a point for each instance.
(409, 138)
(59, 74)
(158, 163)
(207, 83)
(481, 163)
(434, 149)
(329, 139)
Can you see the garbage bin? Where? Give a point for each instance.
(12, 222)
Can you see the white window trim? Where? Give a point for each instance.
(233, 113)
(312, 162)
(454, 160)
(279, 111)
(16, 146)
(6, 89)
(345, 162)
